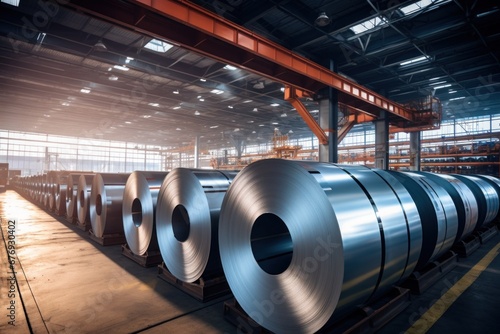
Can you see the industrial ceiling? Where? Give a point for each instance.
(64, 71)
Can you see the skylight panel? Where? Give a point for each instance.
(370, 24)
(11, 2)
(158, 46)
(420, 5)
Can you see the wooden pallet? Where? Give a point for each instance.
(108, 239)
(368, 319)
(149, 259)
(202, 290)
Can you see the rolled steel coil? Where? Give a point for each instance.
(71, 195)
(302, 242)
(437, 213)
(187, 218)
(54, 187)
(82, 198)
(495, 183)
(486, 197)
(106, 200)
(464, 201)
(60, 198)
(138, 210)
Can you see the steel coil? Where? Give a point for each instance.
(486, 197)
(293, 252)
(464, 201)
(82, 198)
(187, 218)
(138, 210)
(71, 193)
(60, 194)
(106, 200)
(495, 183)
(437, 213)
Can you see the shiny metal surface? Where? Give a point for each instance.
(495, 183)
(187, 219)
(437, 213)
(138, 210)
(82, 198)
(71, 193)
(464, 201)
(60, 194)
(486, 196)
(322, 237)
(106, 201)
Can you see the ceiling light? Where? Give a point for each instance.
(314, 111)
(275, 104)
(261, 125)
(255, 109)
(414, 60)
(442, 86)
(283, 115)
(100, 46)
(128, 60)
(203, 80)
(274, 123)
(322, 20)
(65, 103)
(202, 100)
(197, 113)
(113, 78)
(250, 122)
(176, 92)
(438, 82)
(230, 107)
(176, 107)
(178, 129)
(237, 129)
(259, 85)
(217, 91)
(247, 101)
(214, 127)
(153, 104)
(46, 115)
(291, 131)
(457, 98)
(452, 91)
(254, 131)
(85, 90)
(282, 89)
(229, 67)
(146, 116)
(128, 122)
(121, 68)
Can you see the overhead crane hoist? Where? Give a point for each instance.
(200, 30)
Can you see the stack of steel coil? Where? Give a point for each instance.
(187, 217)
(106, 200)
(138, 210)
(82, 199)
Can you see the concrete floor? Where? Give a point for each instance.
(70, 284)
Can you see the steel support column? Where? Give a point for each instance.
(197, 152)
(415, 150)
(329, 120)
(382, 142)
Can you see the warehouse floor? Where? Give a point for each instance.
(70, 284)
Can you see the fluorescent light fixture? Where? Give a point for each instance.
(128, 122)
(457, 98)
(202, 100)
(261, 125)
(274, 123)
(11, 2)
(178, 129)
(254, 131)
(434, 79)
(314, 111)
(230, 107)
(250, 122)
(494, 10)
(282, 89)
(176, 107)
(283, 115)
(414, 60)
(46, 115)
(370, 24)
(452, 92)
(214, 127)
(442, 86)
(275, 104)
(121, 68)
(158, 46)
(65, 103)
(229, 67)
(146, 116)
(237, 129)
(438, 82)
(176, 92)
(247, 101)
(128, 60)
(291, 131)
(203, 80)
(113, 78)
(197, 113)
(153, 104)
(85, 90)
(110, 69)
(217, 91)
(255, 110)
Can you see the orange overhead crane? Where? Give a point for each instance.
(197, 29)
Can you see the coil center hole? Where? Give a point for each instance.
(180, 223)
(98, 204)
(137, 212)
(272, 245)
